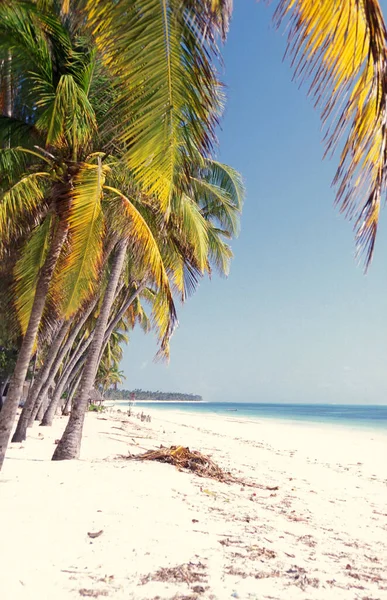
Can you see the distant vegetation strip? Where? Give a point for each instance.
(147, 395)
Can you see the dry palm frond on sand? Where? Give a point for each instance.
(191, 460)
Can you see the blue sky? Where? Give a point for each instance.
(297, 320)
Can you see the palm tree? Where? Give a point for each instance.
(108, 374)
(339, 47)
(32, 191)
(156, 116)
(59, 83)
(69, 445)
(189, 242)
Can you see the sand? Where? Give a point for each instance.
(168, 534)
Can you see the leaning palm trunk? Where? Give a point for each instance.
(63, 382)
(69, 445)
(66, 408)
(72, 366)
(8, 414)
(42, 408)
(21, 429)
(38, 403)
(49, 413)
(55, 366)
(66, 382)
(72, 391)
(8, 92)
(2, 390)
(78, 352)
(77, 361)
(115, 320)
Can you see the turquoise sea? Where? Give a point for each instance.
(340, 414)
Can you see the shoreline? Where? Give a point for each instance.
(355, 425)
(171, 535)
(157, 401)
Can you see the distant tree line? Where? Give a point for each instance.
(147, 395)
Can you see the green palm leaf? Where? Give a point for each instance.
(157, 52)
(220, 253)
(192, 226)
(219, 191)
(16, 132)
(69, 118)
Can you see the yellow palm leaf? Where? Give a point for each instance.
(80, 274)
(341, 47)
(145, 251)
(27, 270)
(21, 201)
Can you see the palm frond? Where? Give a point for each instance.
(192, 227)
(180, 260)
(79, 275)
(68, 118)
(141, 316)
(27, 270)
(12, 165)
(16, 132)
(340, 46)
(227, 179)
(145, 250)
(160, 60)
(21, 30)
(220, 253)
(219, 15)
(21, 201)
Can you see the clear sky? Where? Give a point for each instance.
(297, 320)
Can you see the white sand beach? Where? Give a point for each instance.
(315, 528)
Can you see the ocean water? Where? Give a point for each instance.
(340, 414)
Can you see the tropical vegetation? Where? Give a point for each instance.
(112, 203)
(139, 394)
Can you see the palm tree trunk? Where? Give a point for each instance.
(78, 359)
(8, 85)
(8, 414)
(42, 408)
(67, 407)
(2, 390)
(73, 361)
(33, 372)
(78, 352)
(65, 379)
(57, 362)
(50, 411)
(70, 444)
(114, 321)
(37, 403)
(73, 367)
(8, 92)
(21, 429)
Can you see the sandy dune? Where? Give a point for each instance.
(172, 535)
